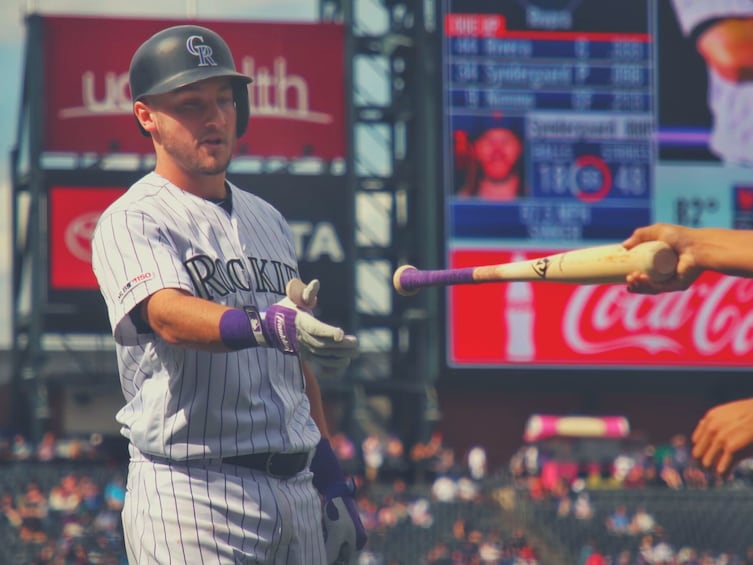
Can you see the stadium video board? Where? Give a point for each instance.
(568, 123)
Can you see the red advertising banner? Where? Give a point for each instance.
(74, 212)
(558, 324)
(320, 233)
(297, 99)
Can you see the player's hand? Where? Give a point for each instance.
(722, 435)
(679, 239)
(294, 330)
(344, 533)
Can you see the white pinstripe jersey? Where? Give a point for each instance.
(184, 403)
(731, 103)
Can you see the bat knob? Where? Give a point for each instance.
(664, 264)
(396, 282)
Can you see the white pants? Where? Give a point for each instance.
(208, 513)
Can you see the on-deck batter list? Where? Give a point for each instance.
(575, 85)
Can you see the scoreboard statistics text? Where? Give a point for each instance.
(569, 123)
(578, 92)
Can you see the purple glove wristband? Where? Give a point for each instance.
(278, 326)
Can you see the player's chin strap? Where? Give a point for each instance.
(344, 533)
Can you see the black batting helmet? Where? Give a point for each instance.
(181, 55)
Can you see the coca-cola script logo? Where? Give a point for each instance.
(78, 235)
(273, 94)
(715, 314)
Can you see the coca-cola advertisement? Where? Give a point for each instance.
(549, 324)
(297, 99)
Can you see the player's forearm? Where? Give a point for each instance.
(184, 320)
(724, 250)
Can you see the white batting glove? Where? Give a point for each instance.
(294, 330)
(344, 533)
(341, 539)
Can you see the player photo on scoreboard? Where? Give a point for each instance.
(489, 158)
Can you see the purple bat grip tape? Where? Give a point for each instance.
(411, 279)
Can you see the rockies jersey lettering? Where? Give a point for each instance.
(212, 277)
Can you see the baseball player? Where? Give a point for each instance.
(723, 34)
(228, 444)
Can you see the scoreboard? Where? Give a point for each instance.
(579, 91)
(569, 123)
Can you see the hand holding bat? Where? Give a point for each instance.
(605, 264)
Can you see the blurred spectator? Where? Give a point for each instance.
(444, 462)
(32, 507)
(423, 456)
(439, 554)
(680, 451)
(387, 516)
(596, 557)
(662, 551)
(21, 450)
(490, 549)
(46, 447)
(687, 556)
(395, 465)
(420, 513)
(91, 494)
(651, 476)
(476, 462)
(564, 505)
(583, 509)
(373, 456)
(65, 497)
(670, 474)
(74, 448)
(622, 466)
(114, 493)
(694, 477)
(368, 509)
(467, 490)
(10, 513)
(444, 489)
(346, 452)
(635, 478)
(642, 522)
(645, 550)
(618, 521)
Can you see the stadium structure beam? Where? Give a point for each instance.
(394, 101)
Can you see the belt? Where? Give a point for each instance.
(278, 465)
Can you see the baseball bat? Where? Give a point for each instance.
(603, 264)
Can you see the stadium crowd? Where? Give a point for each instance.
(61, 502)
